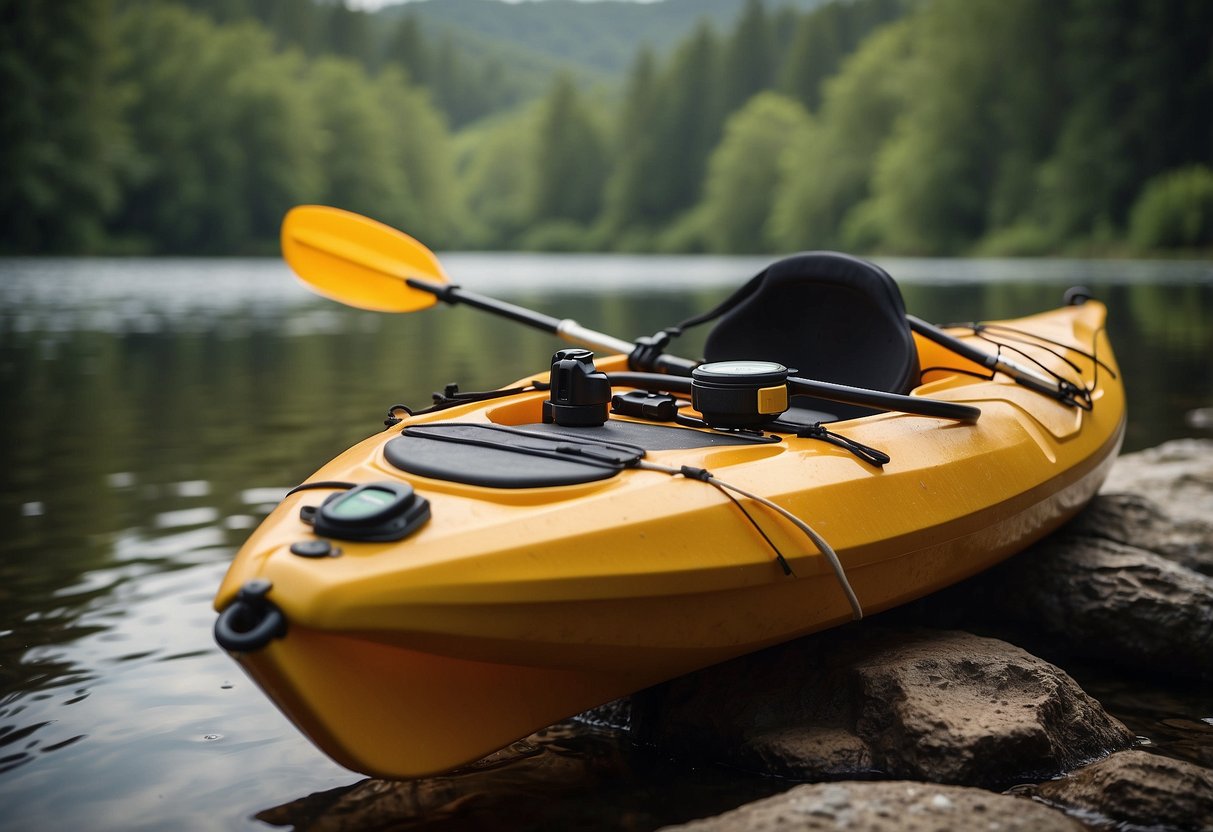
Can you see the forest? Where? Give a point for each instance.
(922, 127)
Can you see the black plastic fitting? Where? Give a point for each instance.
(579, 394)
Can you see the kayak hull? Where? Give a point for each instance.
(514, 608)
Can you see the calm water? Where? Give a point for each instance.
(153, 411)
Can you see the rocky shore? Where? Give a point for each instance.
(952, 713)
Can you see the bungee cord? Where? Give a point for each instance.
(823, 546)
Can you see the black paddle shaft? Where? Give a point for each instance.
(823, 390)
(453, 294)
(672, 364)
(563, 328)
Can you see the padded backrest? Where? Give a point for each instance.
(830, 316)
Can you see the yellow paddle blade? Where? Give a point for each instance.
(356, 260)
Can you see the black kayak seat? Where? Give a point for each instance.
(831, 317)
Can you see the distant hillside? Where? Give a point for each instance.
(598, 38)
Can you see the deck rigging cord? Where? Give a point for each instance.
(1006, 337)
(452, 396)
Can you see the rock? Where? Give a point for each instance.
(567, 776)
(1177, 475)
(1093, 597)
(1138, 788)
(887, 807)
(948, 707)
(1137, 521)
(1127, 582)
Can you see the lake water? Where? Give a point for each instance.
(154, 410)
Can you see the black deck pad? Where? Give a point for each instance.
(529, 456)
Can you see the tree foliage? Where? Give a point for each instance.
(222, 134)
(744, 173)
(914, 126)
(1027, 126)
(61, 144)
(570, 164)
(178, 134)
(1175, 210)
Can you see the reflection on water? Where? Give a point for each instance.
(153, 412)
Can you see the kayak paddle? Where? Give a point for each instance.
(363, 263)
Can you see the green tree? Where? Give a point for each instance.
(347, 33)
(748, 62)
(828, 166)
(632, 196)
(496, 183)
(407, 48)
(570, 162)
(357, 152)
(687, 124)
(823, 38)
(1175, 210)
(938, 174)
(62, 143)
(1139, 77)
(744, 173)
(294, 23)
(816, 51)
(223, 132)
(420, 147)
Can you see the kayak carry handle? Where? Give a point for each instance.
(250, 622)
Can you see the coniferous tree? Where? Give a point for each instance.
(570, 162)
(407, 48)
(357, 156)
(1139, 77)
(632, 196)
(347, 33)
(815, 54)
(688, 123)
(224, 137)
(294, 23)
(748, 65)
(421, 149)
(936, 176)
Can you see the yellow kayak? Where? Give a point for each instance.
(538, 569)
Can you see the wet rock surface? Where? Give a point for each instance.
(1138, 788)
(887, 807)
(949, 707)
(1136, 520)
(1127, 583)
(1177, 475)
(1088, 596)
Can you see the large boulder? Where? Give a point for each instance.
(1094, 598)
(1127, 583)
(1136, 520)
(1177, 475)
(895, 806)
(1137, 788)
(949, 707)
